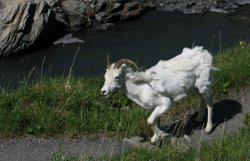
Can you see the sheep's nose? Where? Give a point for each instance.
(103, 92)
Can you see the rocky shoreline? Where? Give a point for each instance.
(32, 24)
(201, 6)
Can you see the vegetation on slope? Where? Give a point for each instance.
(62, 106)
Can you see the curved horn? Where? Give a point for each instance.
(122, 61)
(108, 62)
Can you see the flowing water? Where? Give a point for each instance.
(157, 35)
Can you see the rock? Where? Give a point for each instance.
(100, 6)
(133, 10)
(1, 5)
(89, 11)
(196, 9)
(127, 11)
(115, 8)
(104, 27)
(139, 142)
(200, 6)
(60, 15)
(181, 143)
(112, 18)
(75, 11)
(99, 16)
(68, 39)
(132, 6)
(241, 2)
(149, 6)
(26, 25)
(218, 10)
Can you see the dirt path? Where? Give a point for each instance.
(40, 149)
(228, 116)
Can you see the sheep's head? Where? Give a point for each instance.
(115, 75)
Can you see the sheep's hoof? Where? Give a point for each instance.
(159, 138)
(208, 129)
(154, 140)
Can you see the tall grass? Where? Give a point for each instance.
(234, 69)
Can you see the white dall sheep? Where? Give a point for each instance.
(166, 82)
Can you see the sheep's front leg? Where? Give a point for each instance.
(153, 121)
(158, 134)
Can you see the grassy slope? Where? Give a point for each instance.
(234, 69)
(50, 107)
(46, 108)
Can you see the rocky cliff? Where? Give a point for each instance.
(32, 24)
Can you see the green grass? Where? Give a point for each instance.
(60, 156)
(57, 106)
(234, 69)
(47, 108)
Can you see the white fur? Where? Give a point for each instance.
(166, 82)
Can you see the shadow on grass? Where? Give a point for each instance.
(222, 112)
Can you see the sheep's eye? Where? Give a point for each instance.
(116, 78)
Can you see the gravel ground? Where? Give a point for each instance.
(228, 116)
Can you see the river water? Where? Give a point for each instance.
(157, 35)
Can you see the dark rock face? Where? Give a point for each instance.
(127, 11)
(74, 10)
(24, 26)
(1, 5)
(79, 14)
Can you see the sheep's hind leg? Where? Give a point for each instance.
(201, 114)
(209, 101)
